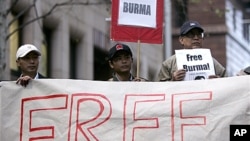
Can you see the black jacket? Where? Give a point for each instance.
(40, 76)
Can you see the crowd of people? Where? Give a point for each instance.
(120, 59)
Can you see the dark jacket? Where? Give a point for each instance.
(114, 78)
(40, 76)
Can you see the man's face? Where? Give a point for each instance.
(193, 39)
(121, 62)
(29, 63)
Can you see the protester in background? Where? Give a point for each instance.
(191, 37)
(120, 60)
(245, 71)
(27, 59)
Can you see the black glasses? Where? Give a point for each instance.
(192, 35)
(247, 70)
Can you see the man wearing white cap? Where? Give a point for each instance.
(27, 59)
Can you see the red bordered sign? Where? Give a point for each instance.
(139, 20)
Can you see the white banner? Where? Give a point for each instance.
(198, 63)
(71, 110)
(137, 13)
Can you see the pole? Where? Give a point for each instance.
(138, 58)
(168, 31)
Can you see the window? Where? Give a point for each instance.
(181, 12)
(14, 43)
(234, 18)
(246, 30)
(73, 58)
(45, 63)
(101, 40)
(102, 70)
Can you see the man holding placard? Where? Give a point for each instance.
(192, 62)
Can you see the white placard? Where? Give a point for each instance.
(137, 13)
(198, 63)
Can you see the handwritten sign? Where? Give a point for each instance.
(67, 110)
(198, 63)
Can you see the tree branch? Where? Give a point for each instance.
(48, 13)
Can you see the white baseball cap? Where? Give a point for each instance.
(25, 49)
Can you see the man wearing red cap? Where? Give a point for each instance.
(27, 59)
(120, 60)
(191, 37)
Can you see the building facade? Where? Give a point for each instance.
(238, 35)
(226, 24)
(74, 36)
(74, 39)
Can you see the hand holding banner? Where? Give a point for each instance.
(65, 110)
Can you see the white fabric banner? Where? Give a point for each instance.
(198, 63)
(69, 110)
(137, 13)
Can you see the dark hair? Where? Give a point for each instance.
(199, 77)
(247, 70)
